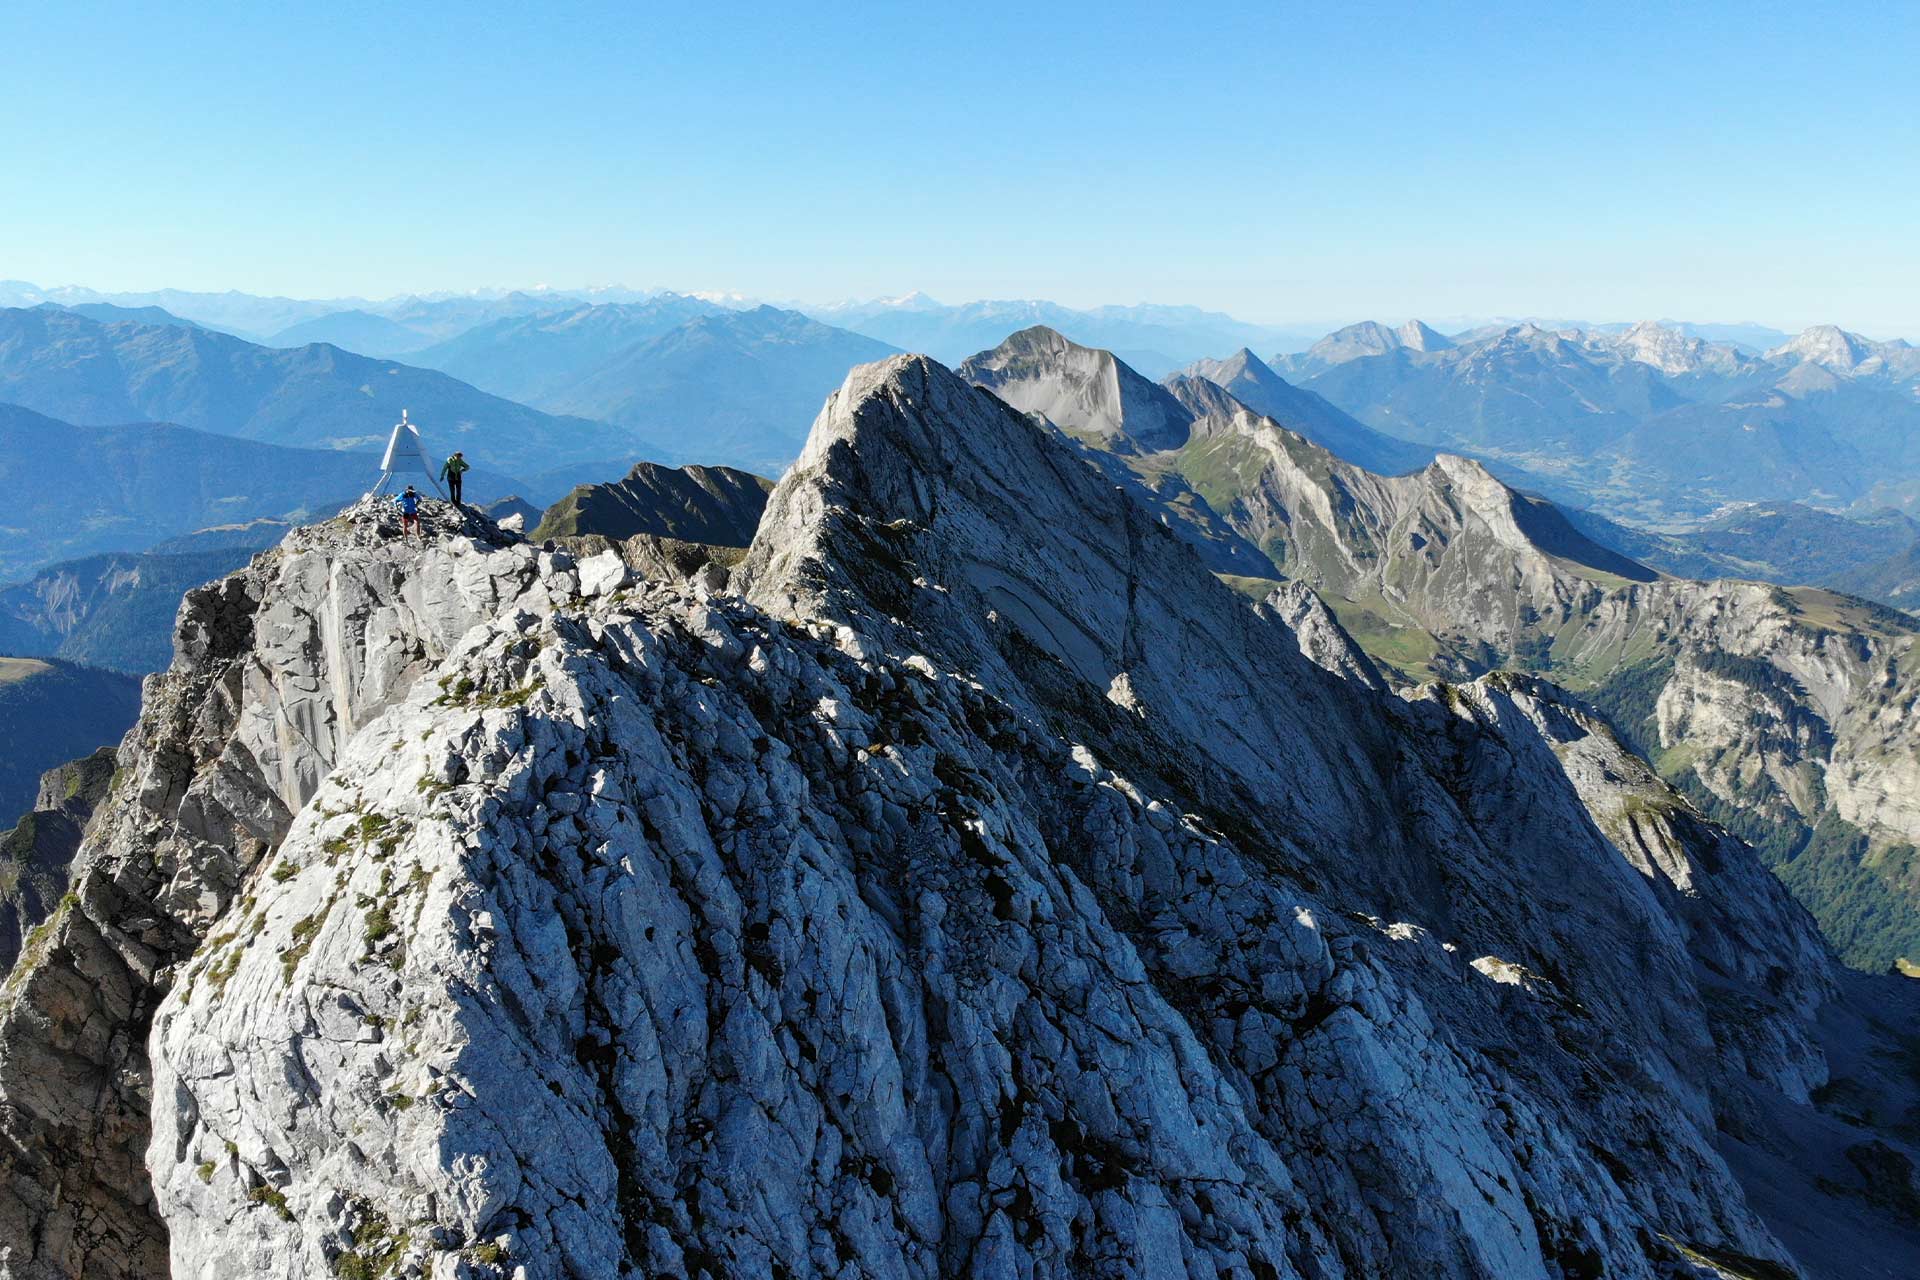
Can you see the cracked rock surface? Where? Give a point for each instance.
(974, 887)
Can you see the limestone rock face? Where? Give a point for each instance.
(1320, 635)
(974, 887)
(276, 668)
(1082, 390)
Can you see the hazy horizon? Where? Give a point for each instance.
(1487, 160)
(1446, 323)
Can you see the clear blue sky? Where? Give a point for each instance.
(1285, 163)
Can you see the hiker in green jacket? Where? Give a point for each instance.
(451, 471)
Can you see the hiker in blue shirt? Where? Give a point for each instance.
(410, 512)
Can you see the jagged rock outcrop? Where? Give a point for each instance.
(1447, 553)
(275, 668)
(984, 891)
(715, 505)
(511, 507)
(37, 854)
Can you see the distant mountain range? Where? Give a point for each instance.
(68, 491)
(116, 611)
(1785, 542)
(531, 358)
(405, 325)
(1648, 423)
(1894, 580)
(1156, 339)
(392, 326)
(1153, 339)
(689, 381)
(83, 371)
(52, 712)
(1651, 424)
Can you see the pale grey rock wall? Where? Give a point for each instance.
(276, 668)
(987, 893)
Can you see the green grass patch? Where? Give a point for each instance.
(273, 1198)
(301, 941)
(1408, 649)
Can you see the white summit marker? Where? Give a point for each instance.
(404, 453)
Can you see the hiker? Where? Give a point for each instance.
(451, 471)
(410, 512)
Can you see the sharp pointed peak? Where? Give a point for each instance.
(1242, 363)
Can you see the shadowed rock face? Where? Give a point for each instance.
(984, 891)
(715, 505)
(36, 856)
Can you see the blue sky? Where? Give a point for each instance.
(1285, 163)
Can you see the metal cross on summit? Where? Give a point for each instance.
(404, 453)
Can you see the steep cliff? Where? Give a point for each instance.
(983, 890)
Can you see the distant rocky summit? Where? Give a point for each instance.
(975, 886)
(715, 505)
(1649, 422)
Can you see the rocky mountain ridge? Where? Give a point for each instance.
(1447, 571)
(719, 506)
(982, 890)
(1249, 380)
(1649, 423)
(96, 374)
(1085, 392)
